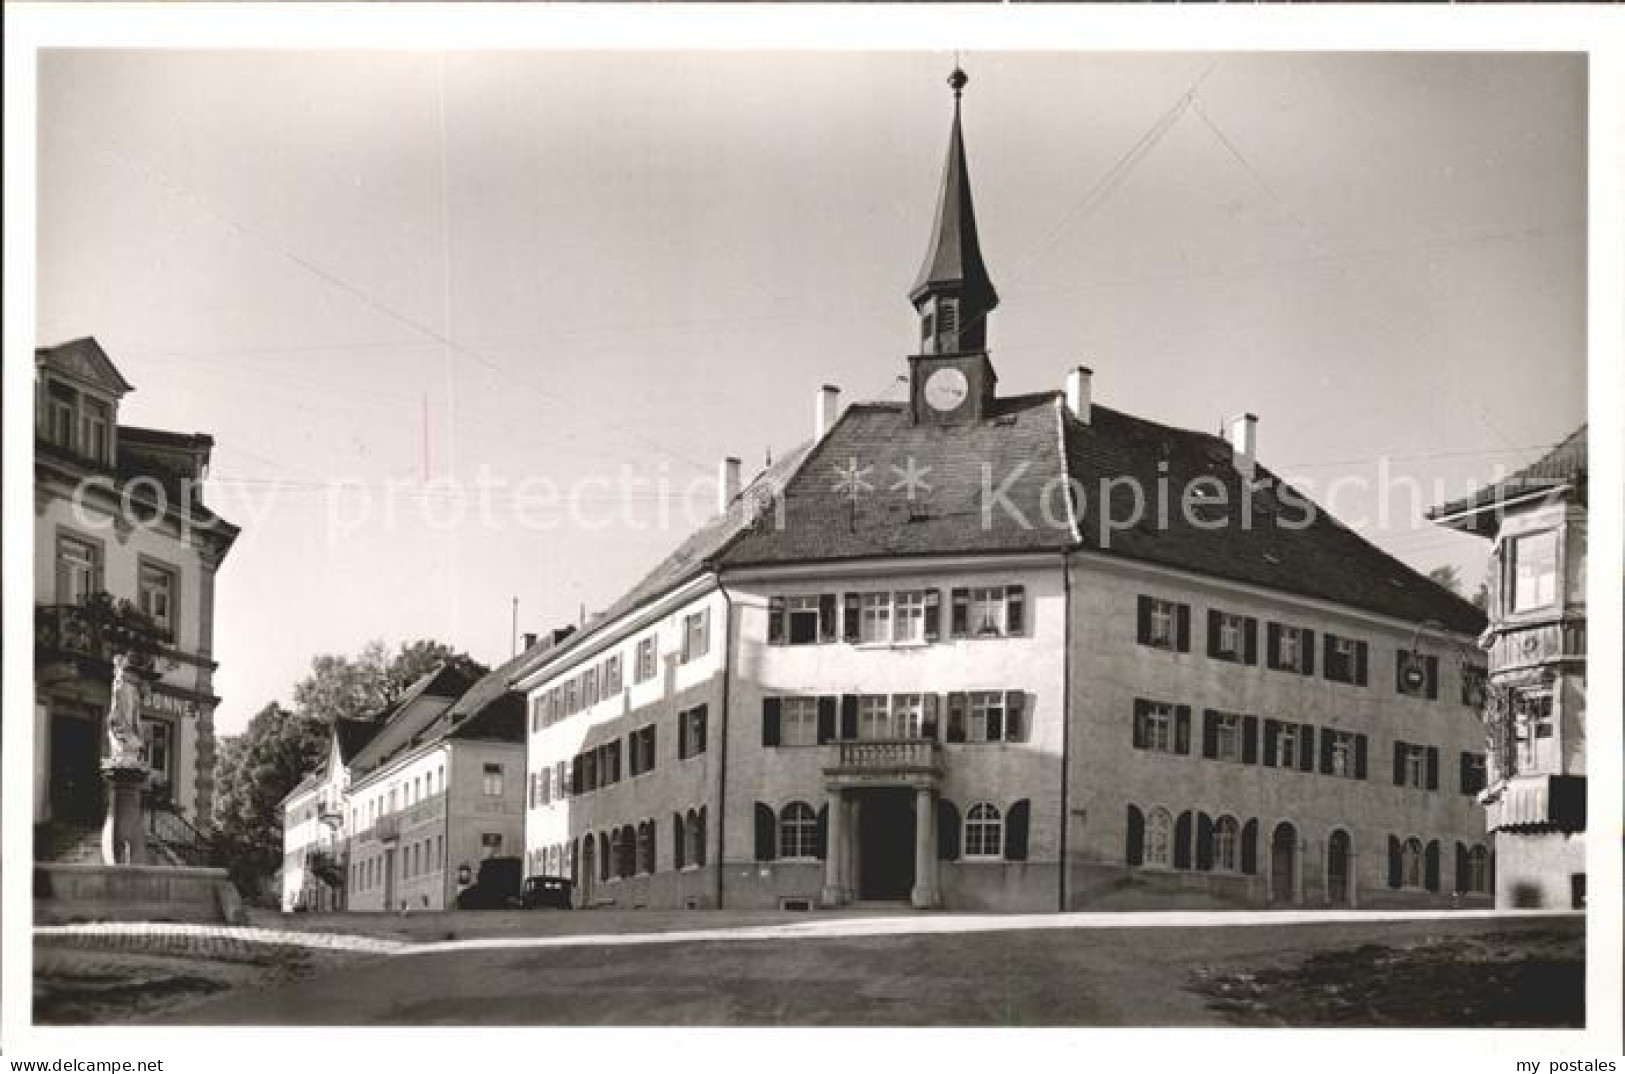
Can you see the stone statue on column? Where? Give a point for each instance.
(124, 837)
(123, 730)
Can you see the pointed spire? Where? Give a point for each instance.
(953, 264)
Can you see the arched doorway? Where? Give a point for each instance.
(1284, 863)
(1339, 867)
(589, 875)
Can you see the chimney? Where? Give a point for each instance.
(1244, 442)
(829, 408)
(727, 483)
(529, 638)
(1079, 391)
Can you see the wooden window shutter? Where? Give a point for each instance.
(1015, 723)
(1331, 653)
(1015, 610)
(1140, 708)
(1272, 738)
(1399, 764)
(1204, 842)
(1015, 831)
(1249, 847)
(1306, 651)
(851, 628)
(1326, 739)
(1143, 627)
(682, 735)
(771, 707)
(1272, 646)
(1210, 734)
(1430, 866)
(821, 836)
(775, 621)
(947, 830)
(1182, 841)
(1359, 756)
(1462, 878)
(849, 717)
(1402, 660)
(956, 717)
(1306, 747)
(1396, 863)
(766, 833)
(1134, 839)
(1183, 615)
(827, 713)
(828, 614)
(1182, 729)
(1433, 678)
(1250, 641)
(933, 615)
(1213, 618)
(929, 707)
(1433, 768)
(1361, 654)
(959, 618)
(1249, 740)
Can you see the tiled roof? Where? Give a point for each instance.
(399, 728)
(1567, 463)
(1273, 549)
(352, 735)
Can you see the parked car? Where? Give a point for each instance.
(546, 893)
(496, 888)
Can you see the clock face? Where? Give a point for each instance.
(946, 389)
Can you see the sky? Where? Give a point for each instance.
(376, 277)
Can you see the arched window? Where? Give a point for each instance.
(984, 831)
(1226, 841)
(1411, 863)
(1159, 838)
(646, 847)
(1478, 870)
(679, 848)
(696, 836)
(798, 831)
(604, 859)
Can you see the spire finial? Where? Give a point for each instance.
(958, 79)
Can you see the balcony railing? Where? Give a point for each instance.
(871, 760)
(387, 829)
(91, 632)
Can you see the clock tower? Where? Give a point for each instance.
(951, 379)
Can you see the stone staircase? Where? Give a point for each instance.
(68, 843)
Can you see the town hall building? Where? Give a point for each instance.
(935, 655)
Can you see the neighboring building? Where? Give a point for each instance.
(406, 800)
(125, 558)
(1535, 711)
(906, 662)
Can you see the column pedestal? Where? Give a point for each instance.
(924, 896)
(124, 837)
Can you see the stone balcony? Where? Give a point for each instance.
(901, 762)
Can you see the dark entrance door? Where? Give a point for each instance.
(76, 778)
(1283, 863)
(885, 844)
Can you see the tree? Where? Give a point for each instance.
(362, 686)
(1448, 576)
(254, 772)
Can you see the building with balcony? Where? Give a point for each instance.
(410, 800)
(1535, 707)
(985, 651)
(125, 558)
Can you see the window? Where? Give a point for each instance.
(646, 847)
(1224, 732)
(989, 611)
(1474, 773)
(696, 837)
(646, 660)
(947, 316)
(908, 715)
(875, 618)
(1232, 637)
(802, 613)
(1474, 685)
(1531, 722)
(95, 424)
(493, 781)
(986, 716)
(691, 732)
(1478, 870)
(612, 676)
(60, 403)
(1341, 754)
(874, 716)
(640, 750)
(984, 831)
(1530, 577)
(1226, 841)
(491, 844)
(158, 736)
(78, 569)
(1416, 674)
(798, 831)
(1291, 649)
(798, 721)
(696, 635)
(589, 688)
(1286, 746)
(1162, 727)
(1345, 660)
(1164, 624)
(1416, 766)
(1159, 838)
(910, 617)
(156, 594)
